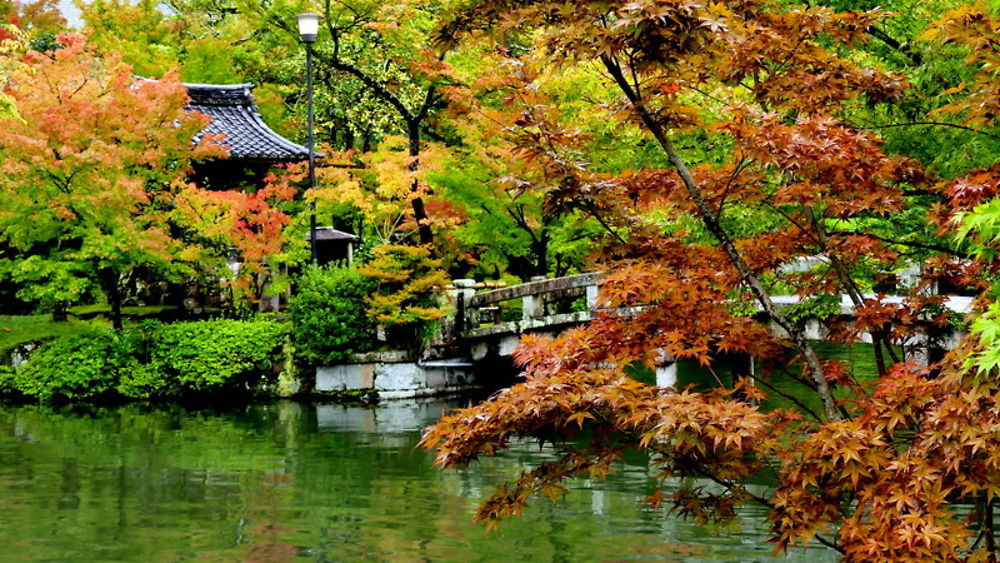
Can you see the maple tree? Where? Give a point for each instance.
(874, 475)
(95, 182)
(406, 277)
(19, 23)
(36, 17)
(973, 195)
(78, 166)
(370, 81)
(377, 184)
(155, 42)
(252, 225)
(512, 224)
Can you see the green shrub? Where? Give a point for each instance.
(211, 355)
(154, 361)
(329, 316)
(145, 381)
(8, 387)
(84, 366)
(818, 307)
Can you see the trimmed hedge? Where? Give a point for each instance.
(154, 361)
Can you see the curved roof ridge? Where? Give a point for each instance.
(243, 86)
(235, 114)
(256, 119)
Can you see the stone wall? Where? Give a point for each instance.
(394, 375)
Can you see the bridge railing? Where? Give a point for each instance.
(543, 302)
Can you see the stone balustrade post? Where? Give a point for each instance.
(917, 348)
(460, 296)
(533, 306)
(591, 297)
(666, 369)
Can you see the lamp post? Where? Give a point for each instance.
(308, 28)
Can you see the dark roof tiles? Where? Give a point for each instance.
(234, 114)
(329, 233)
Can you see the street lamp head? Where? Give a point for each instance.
(308, 26)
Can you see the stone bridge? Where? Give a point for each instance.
(490, 323)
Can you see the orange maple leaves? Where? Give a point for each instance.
(769, 83)
(98, 164)
(916, 444)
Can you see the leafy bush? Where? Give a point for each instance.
(154, 361)
(7, 384)
(329, 316)
(818, 307)
(85, 366)
(144, 381)
(210, 355)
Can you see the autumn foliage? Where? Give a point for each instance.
(406, 277)
(94, 171)
(715, 155)
(695, 249)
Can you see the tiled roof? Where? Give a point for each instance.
(234, 113)
(329, 233)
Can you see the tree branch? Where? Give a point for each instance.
(915, 57)
(924, 245)
(932, 123)
(711, 223)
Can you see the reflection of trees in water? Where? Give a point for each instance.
(266, 482)
(260, 528)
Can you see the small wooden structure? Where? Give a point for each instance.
(333, 246)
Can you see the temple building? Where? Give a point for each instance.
(254, 148)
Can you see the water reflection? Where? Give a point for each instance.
(324, 482)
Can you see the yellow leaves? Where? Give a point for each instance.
(383, 185)
(956, 24)
(406, 275)
(930, 34)
(8, 110)
(975, 28)
(392, 165)
(579, 417)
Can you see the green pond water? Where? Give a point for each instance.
(285, 480)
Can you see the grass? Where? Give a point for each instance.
(85, 311)
(18, 329)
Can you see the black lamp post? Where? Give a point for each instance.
(308, 28)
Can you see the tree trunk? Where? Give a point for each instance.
(419, 213)
(541, 250)
(991, 541)
(348, 138)
(711, 223)
(109, 279)
(60, 312)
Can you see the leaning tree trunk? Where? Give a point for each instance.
(419, 213)
(712, 224)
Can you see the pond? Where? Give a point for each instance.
(288, 480)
